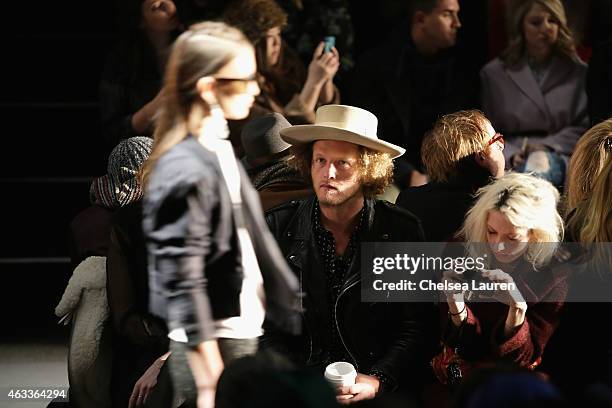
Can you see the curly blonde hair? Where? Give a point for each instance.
(375, 168)
(565, 44)
(454, 137)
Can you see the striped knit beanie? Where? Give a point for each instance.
(121, 186)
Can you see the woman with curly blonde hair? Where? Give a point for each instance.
(534, 93)
(286, 87)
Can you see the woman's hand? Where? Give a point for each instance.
(518, 159)
(453, 280)
(323, 66)
(142, 119)
(321, 72)
(511, 296)
(517, 307)
(145, 385)
(457, 308)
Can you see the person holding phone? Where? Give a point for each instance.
(286, 87)
(516, 224)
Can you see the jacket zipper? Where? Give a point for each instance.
(305, 322)
(302, 310)
(338, 325)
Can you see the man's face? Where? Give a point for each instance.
(494, 160)
(335, 172)
(442, 24)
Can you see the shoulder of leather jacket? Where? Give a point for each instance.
(399, 211)
(289, 205)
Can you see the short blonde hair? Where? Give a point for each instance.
(592, 151)
(375, 168)
(453, 138)
(528, 202)
(517, 11)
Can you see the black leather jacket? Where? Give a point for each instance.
(395, 339)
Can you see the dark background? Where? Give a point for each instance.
(51, 145)
(51, 148)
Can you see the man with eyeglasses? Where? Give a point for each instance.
(461, 154)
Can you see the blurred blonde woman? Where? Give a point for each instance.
(592, 152)
(210, 280)
(593, 218)
(516, 222)
(589, 232)
(534, 93)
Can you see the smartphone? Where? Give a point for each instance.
(330, 42)
(474, 275)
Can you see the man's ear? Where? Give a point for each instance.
(480, 158)
(205, 87)
(418, 17)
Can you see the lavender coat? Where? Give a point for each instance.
(554, 115)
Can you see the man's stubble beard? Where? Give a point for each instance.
(339, 201)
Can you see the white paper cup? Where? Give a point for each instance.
(341, 374)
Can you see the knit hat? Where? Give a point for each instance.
(261, 140)
(120, 186)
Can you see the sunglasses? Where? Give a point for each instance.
(236, 85)
(498, 137)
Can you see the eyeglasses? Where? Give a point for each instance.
(498, 137)
(243, 80)
(237, 85)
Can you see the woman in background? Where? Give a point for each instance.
(131, 81)
(286, 88)
(535, 92)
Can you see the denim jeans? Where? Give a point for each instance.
(549, 166)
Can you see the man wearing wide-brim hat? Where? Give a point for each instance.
(320, 236)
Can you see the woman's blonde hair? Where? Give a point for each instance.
(516, 48)
(592, 221)
(375, 168)
(201, 51)
(454, 137)
(590, 155)
(528, 202)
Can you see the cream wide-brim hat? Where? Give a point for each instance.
(345, 124)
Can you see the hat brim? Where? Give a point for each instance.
(301, 134)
